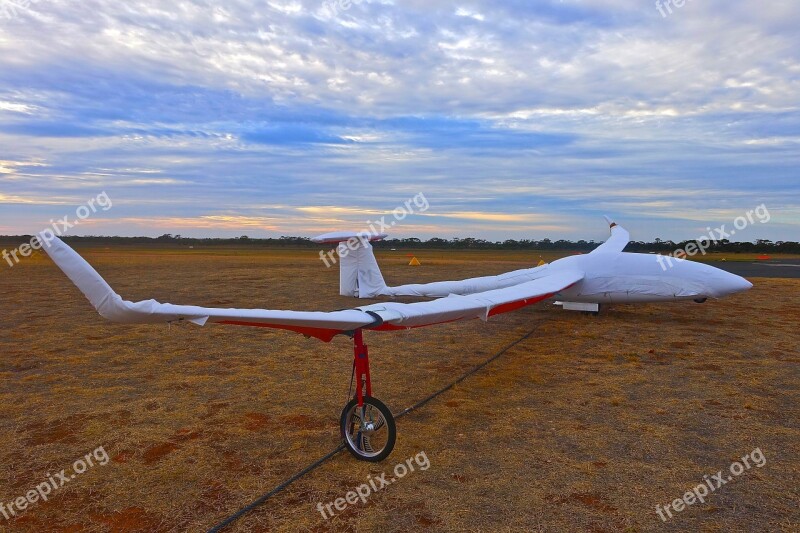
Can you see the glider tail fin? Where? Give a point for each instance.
(359, 274)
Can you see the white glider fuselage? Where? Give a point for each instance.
(605, 275)
(640, 278)
(608, 277)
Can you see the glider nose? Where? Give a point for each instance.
(731, 284)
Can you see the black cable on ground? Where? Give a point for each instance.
(244, 510)
(319, 462)
(419, 404)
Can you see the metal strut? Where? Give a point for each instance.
(361, 362)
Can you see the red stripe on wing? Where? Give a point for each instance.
(323, 334)
(513, 306)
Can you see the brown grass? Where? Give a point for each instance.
(586, 425)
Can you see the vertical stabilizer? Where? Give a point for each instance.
(359, 274)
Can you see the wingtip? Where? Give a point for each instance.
(611, 223)
(47, 239)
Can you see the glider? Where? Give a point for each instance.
(606, 275)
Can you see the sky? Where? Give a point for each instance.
(515, 119)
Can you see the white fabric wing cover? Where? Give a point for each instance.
(617, 242)
(439, 289)
(479, 305)
(323, 325)
(112, 307)
(614, 244)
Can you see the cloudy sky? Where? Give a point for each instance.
(515, 118)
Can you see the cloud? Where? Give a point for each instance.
(491, 217)
(567, 109)
(16, 108)
(292, 134)
(12, 199)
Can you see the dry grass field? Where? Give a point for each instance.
(585, 425)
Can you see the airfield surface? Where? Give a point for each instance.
(773, 268)
(587, 424)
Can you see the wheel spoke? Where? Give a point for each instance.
(366, 444)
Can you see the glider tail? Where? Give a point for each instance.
(359, 274)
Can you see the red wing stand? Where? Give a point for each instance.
(368, 427)
(361, 362)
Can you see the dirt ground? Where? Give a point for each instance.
(587, 424)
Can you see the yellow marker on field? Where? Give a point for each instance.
(541, 262)
(414, 262)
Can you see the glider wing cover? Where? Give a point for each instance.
(479, 305)
(110, 305)
(617, 242)
(319, 324)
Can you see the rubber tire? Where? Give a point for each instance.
(390, 426)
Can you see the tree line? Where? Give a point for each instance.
(467, 243)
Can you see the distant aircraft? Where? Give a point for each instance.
(606, 275)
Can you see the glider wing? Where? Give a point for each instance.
(322, 325)
(617, 242)
(110, 305)
(478, 305)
